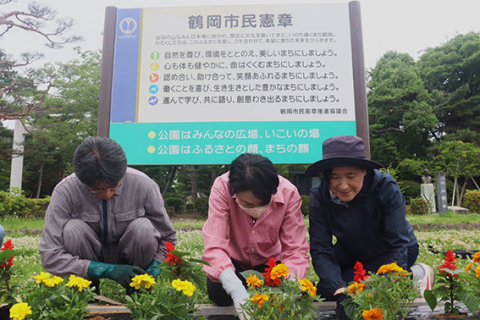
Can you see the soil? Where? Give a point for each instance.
(449, 315)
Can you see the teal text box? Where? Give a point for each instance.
(184, 143)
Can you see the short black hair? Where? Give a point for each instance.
(255, 173)
(99, 160)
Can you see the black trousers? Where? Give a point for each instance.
(218, 295)
(372, 266)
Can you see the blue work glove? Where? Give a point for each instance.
(153, 269)
(122, 273)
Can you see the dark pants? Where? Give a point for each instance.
(372, 265)
(218, 295)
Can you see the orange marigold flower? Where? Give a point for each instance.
(355, 287)
(468, 267)
(169, 246)
(476, 257)
(280, 270)
(253, 281)
(268, 280)
(259, 299)
(477, 272)
(390, 268)
(374, 314)
(307, 285)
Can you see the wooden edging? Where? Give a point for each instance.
(213, 310)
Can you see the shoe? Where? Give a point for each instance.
(428, 280)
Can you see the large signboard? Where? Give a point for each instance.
(201, 85)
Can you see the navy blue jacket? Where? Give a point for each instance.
(373, 226)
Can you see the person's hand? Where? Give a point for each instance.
(153, 269)
(238, 308)
(340, 308)
(123, 274)
(234, 287)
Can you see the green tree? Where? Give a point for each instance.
(400, 109)
(454, 69)
(66, 119)
(6, 143)
(459, 160)
(37, 19)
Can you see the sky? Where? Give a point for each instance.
(407, 26)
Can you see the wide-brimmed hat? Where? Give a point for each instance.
(342, 151)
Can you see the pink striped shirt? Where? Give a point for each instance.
(229, 233)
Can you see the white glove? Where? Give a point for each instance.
(234, 287)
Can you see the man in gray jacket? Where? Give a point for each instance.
(105, 220)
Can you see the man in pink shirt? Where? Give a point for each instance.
(254, 214)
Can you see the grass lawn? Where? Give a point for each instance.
(28, 264)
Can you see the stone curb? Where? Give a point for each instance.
(446, 226)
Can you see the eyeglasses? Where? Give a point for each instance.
(95, 191)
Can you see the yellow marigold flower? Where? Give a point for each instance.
(185, 286)
(307, 285)
(468, 267)
(20, 310)
(259, 299)
(41, 277)
(280, 270)
(78, 282)
(374, 314)
(145, 279)
(52, 282)
(253, 281)
(477, 272)
(476, 257)
(355, 287)
(390, 268)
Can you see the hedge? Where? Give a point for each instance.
(17, 205)
(471, 201)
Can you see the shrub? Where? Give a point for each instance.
(305, 205)
(15, 204)
(471, 201)
(190, 206)
(177, 203)
(418, 206)
(410, 189)
(201, 204)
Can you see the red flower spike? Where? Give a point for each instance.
(7, 245)
(359, 273)
(169, 246)
(449, 263)
(172, 259)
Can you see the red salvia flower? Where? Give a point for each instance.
(7, 245)
(169, 246)
(172, 259)
(449, 263)
(359, 274)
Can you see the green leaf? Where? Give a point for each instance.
(350, 307)
(246, 274)
(430, 298)
(199, 261)
(471, 302)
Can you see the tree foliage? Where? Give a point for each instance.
(37, 19)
